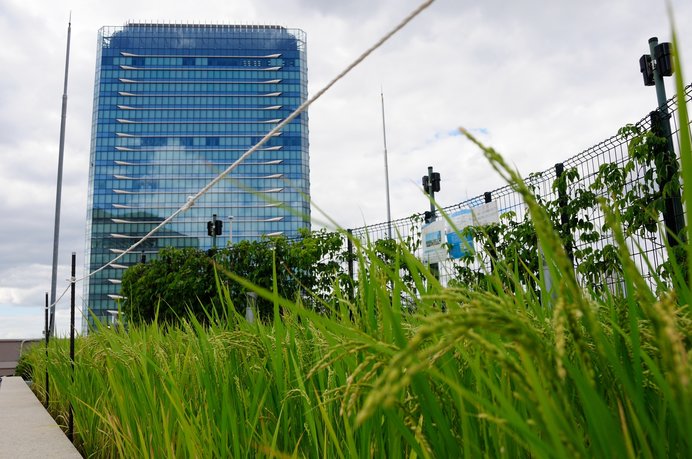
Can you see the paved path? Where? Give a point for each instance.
(10, 350)
(26, 428)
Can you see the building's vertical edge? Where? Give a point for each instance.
(88, 266)
(305, 134)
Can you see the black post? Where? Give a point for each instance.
(431, 184)
(654, 67)
(431, 192)
(349, 248)
(213, 235)
(668, 179)
(492, 251)
(435, 270)
(562, 202)
(47, 332)
(70, 424)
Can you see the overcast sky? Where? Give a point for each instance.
(539, 80)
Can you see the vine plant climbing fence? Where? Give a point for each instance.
(636, 171)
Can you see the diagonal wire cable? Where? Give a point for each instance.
(61, 295)
(192, 199)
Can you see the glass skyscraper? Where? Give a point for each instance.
(175, 105)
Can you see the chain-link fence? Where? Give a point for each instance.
(584, 229)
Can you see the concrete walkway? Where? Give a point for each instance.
(10, 350)
(26, 428)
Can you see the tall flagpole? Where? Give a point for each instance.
(58, 193)
(386, 169)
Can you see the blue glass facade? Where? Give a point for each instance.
(175, 105)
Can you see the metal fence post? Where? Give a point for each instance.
(667, 174)
(492, 249)
(47, 332)
(549, 294)
(562, 201)
(673, 217)
(349, 248)
(70, 421)
(250, 306)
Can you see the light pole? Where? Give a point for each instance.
(214, 228)
(386, 170)
(431, 184)
(230, 230)
(654, 67)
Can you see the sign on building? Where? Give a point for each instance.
(442, 240)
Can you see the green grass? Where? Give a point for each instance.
(468, 374)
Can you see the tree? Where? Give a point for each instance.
(183, 281)
(306, 268)
(176, 283)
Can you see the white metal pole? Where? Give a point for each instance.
(386, 169)
(58, 193)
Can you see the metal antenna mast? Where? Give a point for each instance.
(58, 193)
(386, 169)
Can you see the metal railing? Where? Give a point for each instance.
(647, 250)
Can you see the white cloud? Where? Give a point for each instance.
(29, 323)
